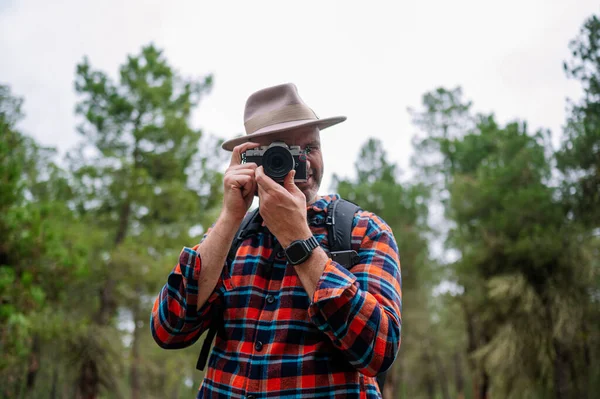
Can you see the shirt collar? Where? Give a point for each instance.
(320, 205)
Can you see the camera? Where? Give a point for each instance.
(277, 160)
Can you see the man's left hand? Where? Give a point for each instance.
(283, 208)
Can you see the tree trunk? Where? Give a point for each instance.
(583, 373)
(135, 350)
(459, 380)
(471, 347)
(485, 386)
(123, 222)
(480, 378)
(587, 364)
(89, 378)
(430, 386)
(441, 372)
(135, 371)
(562, 386)
(390, 389)
(428, 378)
(34, 364)
(88, 384)
(54, 387)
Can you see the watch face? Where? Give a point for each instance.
(295, 251)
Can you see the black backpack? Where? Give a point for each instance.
(340, 215)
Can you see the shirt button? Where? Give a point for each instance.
(281, 254)
(258, 346)
(270, 299)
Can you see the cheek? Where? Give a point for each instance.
(319, 171)
(316, 162)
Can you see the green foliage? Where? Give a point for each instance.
(579, 157)
(403, 206)
(519, 265)
(133, 182)
(39, 254)
(85, 250)
(509, 310)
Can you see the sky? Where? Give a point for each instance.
(369, 61)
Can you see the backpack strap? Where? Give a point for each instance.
(340, 217)
(381, 380)
(203, 358)
(251, 224)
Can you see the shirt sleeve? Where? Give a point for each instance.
(360, 309)
(175, 320)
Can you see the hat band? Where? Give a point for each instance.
(288, 113)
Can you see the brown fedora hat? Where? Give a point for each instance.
(277, 109)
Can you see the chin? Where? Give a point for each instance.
(310, 193)
(309, 188)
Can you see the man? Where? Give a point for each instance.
(306, 330)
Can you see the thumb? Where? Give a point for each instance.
(288, 182)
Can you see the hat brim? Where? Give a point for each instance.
(282, 127)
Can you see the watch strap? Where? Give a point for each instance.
(307, 245)
(311, 243)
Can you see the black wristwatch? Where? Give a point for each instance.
(300, 250)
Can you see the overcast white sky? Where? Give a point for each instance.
(366, 60)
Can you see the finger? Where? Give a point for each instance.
(265, 181)
(262, 197)
(239, 172)
(288, 182)
(249, 189)
(238, 150)
(242, 183)
(261, 179)
(253, 189)
(249, 166)
(261, 191)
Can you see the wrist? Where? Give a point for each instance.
(304, 234)
(229, 219)
(318, 255)
(227, 225)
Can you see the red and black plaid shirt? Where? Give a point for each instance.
(275, 340)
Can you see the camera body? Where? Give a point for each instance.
(278, 159)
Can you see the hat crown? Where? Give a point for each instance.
(274, 105)
(277, 109)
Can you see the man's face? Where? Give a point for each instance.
(304, 137)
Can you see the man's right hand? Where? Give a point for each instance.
(239, 184)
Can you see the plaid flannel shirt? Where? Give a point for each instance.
(275, 340)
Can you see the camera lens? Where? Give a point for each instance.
(277, 162)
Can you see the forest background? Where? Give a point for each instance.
(498, 227)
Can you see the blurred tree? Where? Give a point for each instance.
(84, 251)
(14, 315)
(403, 206)
(134, 182)
(579, 157)
(40, 252)
(579, 161)
(520, 265)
